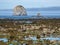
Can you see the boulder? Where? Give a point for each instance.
(19, 11)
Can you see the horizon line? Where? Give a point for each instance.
(35, 7)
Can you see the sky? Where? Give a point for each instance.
(10, 4)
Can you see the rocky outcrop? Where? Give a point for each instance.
(20, 10)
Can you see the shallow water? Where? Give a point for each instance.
(4, 39)
(33, 38)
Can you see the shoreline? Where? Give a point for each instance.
(19, 29)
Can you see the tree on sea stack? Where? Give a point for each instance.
(19, 11)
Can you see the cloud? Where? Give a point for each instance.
(6, 1)
(29, 3)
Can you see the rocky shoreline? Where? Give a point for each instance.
(40, 28)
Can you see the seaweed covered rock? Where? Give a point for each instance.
(19, 11)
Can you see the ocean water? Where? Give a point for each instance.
(7, 13)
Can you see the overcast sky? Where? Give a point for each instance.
(9, 4)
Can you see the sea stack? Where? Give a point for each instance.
(38, 14)
(19, 11)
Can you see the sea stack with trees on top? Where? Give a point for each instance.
(19, 11)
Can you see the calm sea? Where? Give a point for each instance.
(30, 12)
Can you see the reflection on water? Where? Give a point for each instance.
(4, 39)
(33, 38)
